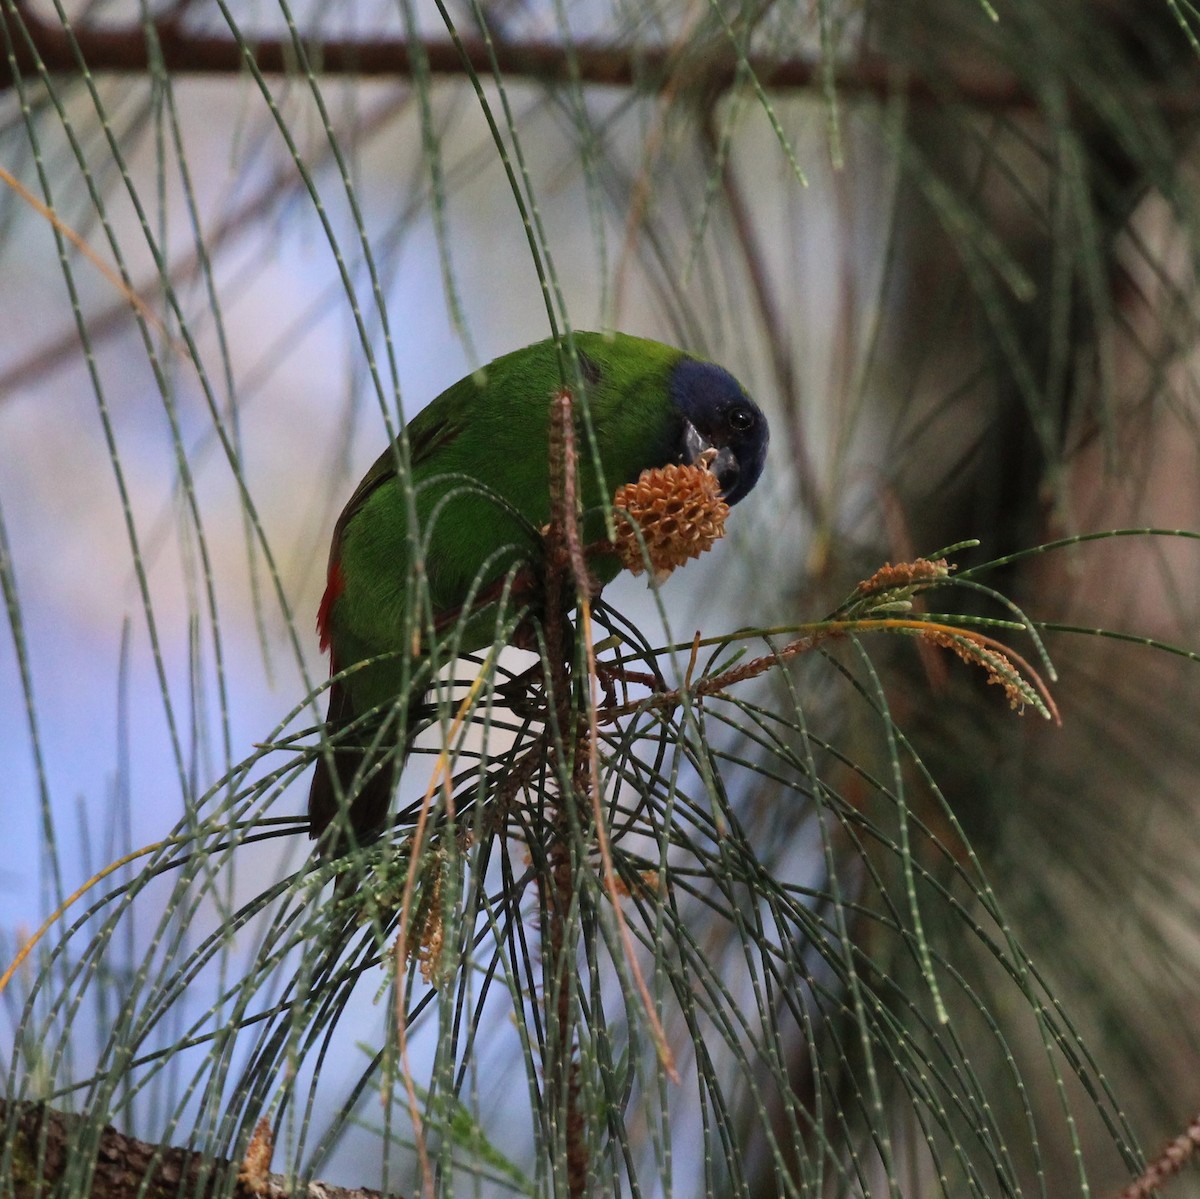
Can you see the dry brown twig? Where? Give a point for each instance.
(1175, 1155)
(892, 586)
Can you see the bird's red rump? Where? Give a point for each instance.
(334, 587)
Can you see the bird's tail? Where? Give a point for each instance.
(353, 784)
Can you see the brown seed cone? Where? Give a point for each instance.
(680, 512)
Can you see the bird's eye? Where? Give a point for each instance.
(741, 420)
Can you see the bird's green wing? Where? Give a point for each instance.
(431, 430)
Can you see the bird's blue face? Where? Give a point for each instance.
(718, 414)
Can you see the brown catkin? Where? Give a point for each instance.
(680, 513)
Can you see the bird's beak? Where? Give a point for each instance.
(725, 465)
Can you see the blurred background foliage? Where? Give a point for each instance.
(950, 247)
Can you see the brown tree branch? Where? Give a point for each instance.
(713, 66)
(45, 1145)
(139, 48)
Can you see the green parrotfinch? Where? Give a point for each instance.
(480, 493)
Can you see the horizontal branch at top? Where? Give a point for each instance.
(139, 48)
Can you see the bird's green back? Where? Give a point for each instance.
(493, 431)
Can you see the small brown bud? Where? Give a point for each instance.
(254, 1173)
